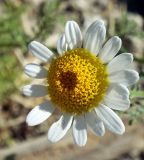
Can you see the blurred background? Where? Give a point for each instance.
(22, 21)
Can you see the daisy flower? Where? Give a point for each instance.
(85, 81)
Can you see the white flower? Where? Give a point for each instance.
(85, 82)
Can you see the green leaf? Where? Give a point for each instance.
(137, 94)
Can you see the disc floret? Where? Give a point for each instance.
(77, 81)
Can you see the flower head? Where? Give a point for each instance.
(84, 82)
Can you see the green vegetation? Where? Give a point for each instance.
(125, 27)
(8, 75)
(13, 36)
(11, 30)
(47, 17)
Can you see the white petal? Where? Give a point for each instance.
(95, 37)
(40, 51)
(125, 77)
(79, 130)
(73, 35)
(35, 71)
(92, 26)
(35, 90)
(110, 119)
(61, 44)
(58, 129)
(120, 62)
(95, 123)
(40, 113)
(110, 49)
(117, 97)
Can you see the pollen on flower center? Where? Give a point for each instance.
(68, 80)
(77, 81)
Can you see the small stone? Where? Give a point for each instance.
(135, 46)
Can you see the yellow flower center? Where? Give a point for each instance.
(77, 81)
